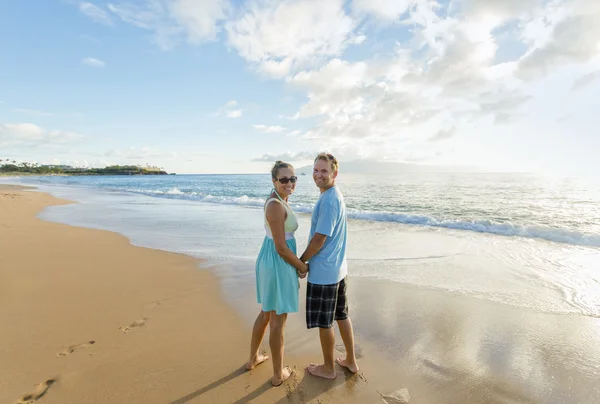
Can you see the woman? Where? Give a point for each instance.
(276, 277)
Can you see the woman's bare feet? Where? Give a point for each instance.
(321, 371)
(257, 360)
(278, 381)
(351, 366)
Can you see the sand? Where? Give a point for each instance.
(85, 317)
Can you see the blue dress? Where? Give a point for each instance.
(277, 282)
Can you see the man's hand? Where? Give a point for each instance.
(302, 274)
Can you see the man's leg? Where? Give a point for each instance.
(327, 369)
(280, 374)
(348, 338)
(345, 326)
(258, 333)
(321, 301)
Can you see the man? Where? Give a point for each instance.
(326, 255)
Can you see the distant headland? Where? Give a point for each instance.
(8, 167)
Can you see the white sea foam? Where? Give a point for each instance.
(482, 226)
(564, 212)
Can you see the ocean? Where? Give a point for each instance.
(516, 239)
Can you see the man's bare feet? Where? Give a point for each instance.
(353, 367)
(287, 372)
(257, 360)
(320, 371)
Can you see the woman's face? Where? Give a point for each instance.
(285, 190)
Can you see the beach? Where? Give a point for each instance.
(109, 322)
(88, 318)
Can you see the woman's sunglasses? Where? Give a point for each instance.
(285, 180)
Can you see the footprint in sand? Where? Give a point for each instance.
(133, 325)
(40, 390)
(401, 396)
(70, 349)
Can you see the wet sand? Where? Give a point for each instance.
(448, 348)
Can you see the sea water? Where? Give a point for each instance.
(517, 239)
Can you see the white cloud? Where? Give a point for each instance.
(269, 129)
(95, 13)
(199, 17)
(287, 156)
(337, 74)
(146, 15)
(443, 134)
(586, 80)
(173, 21)
(444, 77)
(32, 112)
(569, 33)
(383, 9)
(236, 113)
(28, 134)
(230, 110)
(135, 153)
(281, 36)
(92, 62)
(500, 8)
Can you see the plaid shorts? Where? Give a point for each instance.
(325, 303)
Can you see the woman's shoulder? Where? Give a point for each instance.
(273, 198)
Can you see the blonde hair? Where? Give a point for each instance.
(328, 157)
(279, 165)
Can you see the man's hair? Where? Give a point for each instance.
(328, 157)
(279, 165)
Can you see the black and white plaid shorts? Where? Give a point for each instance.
(325, 303)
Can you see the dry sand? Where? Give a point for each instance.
(85, 317)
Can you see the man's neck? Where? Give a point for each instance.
(329, 187)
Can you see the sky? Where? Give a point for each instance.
(230, 86)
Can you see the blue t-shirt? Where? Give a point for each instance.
(328, 266)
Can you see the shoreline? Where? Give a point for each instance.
(160, 327)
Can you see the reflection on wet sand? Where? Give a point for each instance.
(453, 349)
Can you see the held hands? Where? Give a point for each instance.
(303, 272)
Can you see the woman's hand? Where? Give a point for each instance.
(302, 272)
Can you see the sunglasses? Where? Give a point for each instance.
(285, 180)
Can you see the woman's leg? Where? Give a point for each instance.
(277, 322)
(258, 333)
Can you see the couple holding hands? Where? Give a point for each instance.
(278, 270)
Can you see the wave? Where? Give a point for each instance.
(175, 193)
(481, 225)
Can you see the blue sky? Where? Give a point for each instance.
(217, 86)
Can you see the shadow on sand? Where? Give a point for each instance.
(300, 388)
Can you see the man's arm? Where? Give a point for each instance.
(326, 222)
(313, 247)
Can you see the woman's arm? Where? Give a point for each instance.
(276, 218)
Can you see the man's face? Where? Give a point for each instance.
(323, 174)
